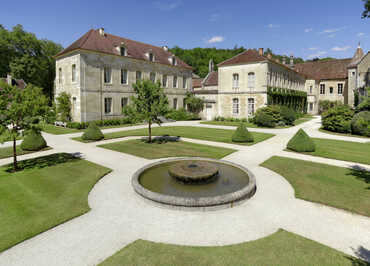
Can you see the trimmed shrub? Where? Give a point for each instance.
(363, 106)
(181, 115)
(93, 133)
(242, 134)
(33, 141)
(288, 115)
(325, 105)
(360, 124)
(301, 142)
(338, 119)
(264, 120)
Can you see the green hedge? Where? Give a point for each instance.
(102, 123)
(301, 142)
(242, 134)
(275, 115)
(181, 115)
(93, 132)
(296, 100)
(338, 119)
(360, 124)
(33, 141)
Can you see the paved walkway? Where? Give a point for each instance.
(119, 216)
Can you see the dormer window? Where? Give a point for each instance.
(151, 57)
(123, 51)
(173, 61)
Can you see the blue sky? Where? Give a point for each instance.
(306, 28)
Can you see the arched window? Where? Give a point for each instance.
(235, 106)
(235, 81)
(251, 80)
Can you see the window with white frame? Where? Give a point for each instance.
(124, 102)
(175, 81)
(107, 105)
(322, 88)
(124, 76)
(311, 89)
(74, 73)
(60, 75)
(173, 61)
(251, 80)
(184, 82)
(164, 81)
(340, 88)
(152, 77)
(235, 81)
(123, 51)
(235, 106)
(138, 75)
(331, 90)
(250, 106)
(107, 75)
(175, 103)
(151, 57)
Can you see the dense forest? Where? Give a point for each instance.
(199, 58)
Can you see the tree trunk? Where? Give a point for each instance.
(150, 132)
(15, 166)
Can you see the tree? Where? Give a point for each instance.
(194, 104)
(366, 13)
(21, 110)
(64, 107)
(150, 103)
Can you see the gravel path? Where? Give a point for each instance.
(119, 216)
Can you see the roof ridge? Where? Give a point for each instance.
(87, 37)
(246, 50)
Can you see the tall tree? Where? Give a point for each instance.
(21, 110)
(366, 13)
(149, 104)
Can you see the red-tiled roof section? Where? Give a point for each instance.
(248, 56)
(94, 41)
(330, 69)
(197, 83)
(212, 79)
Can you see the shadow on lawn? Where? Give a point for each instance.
(364, 257)
(44, 161)
(361, 173)
(162, 139)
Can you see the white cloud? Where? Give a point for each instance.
(167, 5)
(331, 35)
(328, 31)
(308, 30)
(313, 48)
(360, 34)
(214, 17)
(340, 49)
(272, 26)
(216, 39)
(318, 54)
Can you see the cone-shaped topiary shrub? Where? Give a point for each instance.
(92, 133)
(301, 142)
(242, 134)
(33, 141)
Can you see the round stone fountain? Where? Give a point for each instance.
(194, 182)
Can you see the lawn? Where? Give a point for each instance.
(202, 133)
(344, 188)
(8, 151)
(342, 150)
(48, 191)
(57, 130)
(281, 248)
(156, 150)
(342, 134)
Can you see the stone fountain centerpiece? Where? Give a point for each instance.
(194, 172)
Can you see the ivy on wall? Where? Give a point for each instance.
(294, 99)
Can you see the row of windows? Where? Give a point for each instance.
(235, 106)
(150, 56)
(251, 80)
(331, 89)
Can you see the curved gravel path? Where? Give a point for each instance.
(119, 216)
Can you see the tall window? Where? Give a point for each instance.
(235, 81)
(152, 77)
(60, 75)
(173, 61)
(123, 51)
(108, 105)
(164, 81)
(331, 89)
(123, 76)
(74, 100)
(250, 106)
(311, 107)
(107, 75)
(138, 75)
(310, 89)
(184, 82)
(340, 88)
(73, 73)
(151, 57)
(251, 80)
(322, 88)
(235, 106)
(175, 103)
(124, 102)
(175, 81)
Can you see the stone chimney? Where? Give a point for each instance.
(269, 56)
(165, 48)
(210, 65)
(9, 79)
(260, 51)
(291, 61)
(101, 32)
(284, 60)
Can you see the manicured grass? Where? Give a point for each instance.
(211, 134)
(8, 151)
(51, 129)
(303, 119)
(342, 150)
(339, 187)
(282, 248)
(49, 191)
(342, 134)
(155, 150)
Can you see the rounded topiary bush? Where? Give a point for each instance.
(360, 124)
(33, 141)
(301, 142)
(288, 115)
(338, 119)
(93, 133)
(242, 134)
(264, 120)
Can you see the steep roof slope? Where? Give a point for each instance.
(330, 69)
(107, 43)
